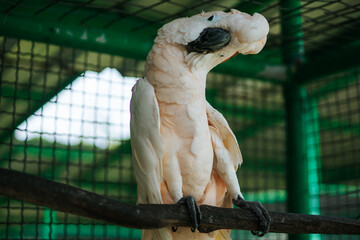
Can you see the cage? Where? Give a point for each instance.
(67, 68)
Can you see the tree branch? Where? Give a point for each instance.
(76, 201)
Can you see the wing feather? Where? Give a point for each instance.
(218, 121)
(146, 142)
(148, 149)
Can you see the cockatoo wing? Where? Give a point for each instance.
(146, 142)
(147, 150)
(219, 124)
(218, 121)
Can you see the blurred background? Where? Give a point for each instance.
(66, 72)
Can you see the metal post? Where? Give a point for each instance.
(296, 168)
(301, 174)
(313, 153)
(303, 152)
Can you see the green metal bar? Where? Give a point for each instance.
(295, 96)
(312, 131)
(291, 27)
(303, 151)
(333, 60)
(313, 154)
(297, 172)
(71, 35)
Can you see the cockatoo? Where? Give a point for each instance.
(183, 149)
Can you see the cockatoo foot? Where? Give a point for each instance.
(194, 212)
(261, 213)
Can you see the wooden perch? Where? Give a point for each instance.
(76, 201)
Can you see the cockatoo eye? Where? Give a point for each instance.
(213, 18)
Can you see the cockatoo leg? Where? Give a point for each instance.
(194, 212)
(261, 213)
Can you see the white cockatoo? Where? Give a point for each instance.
(183, 149)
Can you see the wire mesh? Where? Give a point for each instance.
(326, 23)
(70, 114)
(72, 141)
(336, 110)
(255, 112)
(82, 143)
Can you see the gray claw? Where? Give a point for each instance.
(261, 213)
(194, 212)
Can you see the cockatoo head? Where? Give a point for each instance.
(213, 37)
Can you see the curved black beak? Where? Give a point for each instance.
(210, 40)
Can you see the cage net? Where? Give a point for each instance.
(70, 112)
(255, 112)
(65, 112)
(334, 137)
(65, 117)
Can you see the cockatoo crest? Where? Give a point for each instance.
(244, 29)
(225, 35)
